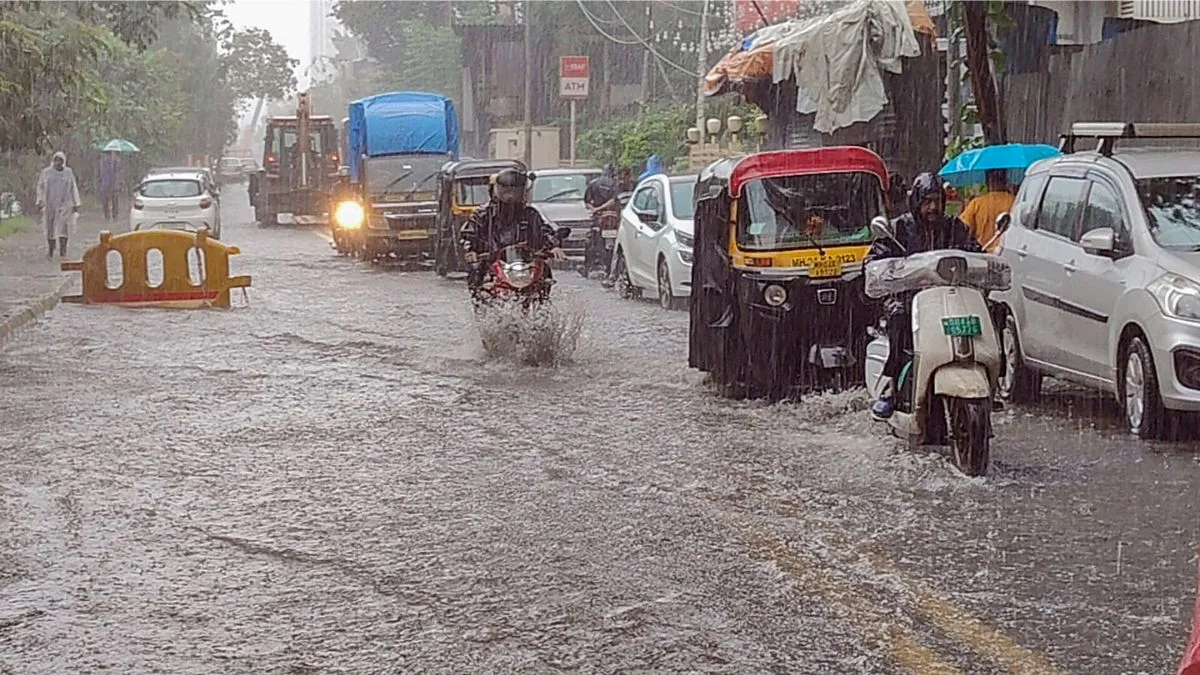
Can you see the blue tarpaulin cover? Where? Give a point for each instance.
(401, 122)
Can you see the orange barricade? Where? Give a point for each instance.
(195, 270)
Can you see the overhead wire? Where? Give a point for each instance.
(647, 45)
(592, 20)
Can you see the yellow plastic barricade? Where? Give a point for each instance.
(179, 287)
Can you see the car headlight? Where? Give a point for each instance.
(1177, 296)
(685, 240)
(349, 215)
(519, 274)
(775, 295)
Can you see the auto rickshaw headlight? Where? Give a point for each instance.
(349, 215)
(775, 295)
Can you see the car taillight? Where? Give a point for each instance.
(271, 159)
(138, 204)
(334, 158)
(205, 203)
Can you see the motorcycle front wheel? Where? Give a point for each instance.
(969, 425)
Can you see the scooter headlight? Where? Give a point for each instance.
(519, 275)
(349, 215)
(775, 295)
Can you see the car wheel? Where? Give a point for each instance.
(666, 297)
(625, 288)
(1018, 383)
(1144, 411)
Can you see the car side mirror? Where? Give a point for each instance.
(646, 216)
(882, 227)
(1100, 241)
(1003, 222)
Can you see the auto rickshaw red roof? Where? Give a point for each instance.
(806, 161)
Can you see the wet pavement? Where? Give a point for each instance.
(337, 478)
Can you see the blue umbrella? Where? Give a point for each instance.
(969, 168)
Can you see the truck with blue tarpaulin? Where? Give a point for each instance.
(395, 144)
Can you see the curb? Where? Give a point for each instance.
(34, 311)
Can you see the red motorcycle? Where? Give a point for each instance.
(602, 239)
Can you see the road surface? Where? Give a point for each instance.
(337, 478)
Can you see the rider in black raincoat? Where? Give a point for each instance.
(506, 220)
(926, 227)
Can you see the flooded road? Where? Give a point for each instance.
(336, 478)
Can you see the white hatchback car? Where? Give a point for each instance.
(179, 201)
(1105, 253)
(654, 242)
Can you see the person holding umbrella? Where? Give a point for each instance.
(982, 211)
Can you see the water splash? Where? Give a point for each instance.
(541, 335)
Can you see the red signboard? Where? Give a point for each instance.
(573, 76)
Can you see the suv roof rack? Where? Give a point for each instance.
(1107, 133)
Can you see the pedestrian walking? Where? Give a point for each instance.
(58, 202)
(110, 183)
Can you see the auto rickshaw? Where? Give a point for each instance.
(778, 305)
(462, 188)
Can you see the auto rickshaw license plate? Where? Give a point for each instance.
(412, 234)
(823, 268)
(962, 326)
(608, 234)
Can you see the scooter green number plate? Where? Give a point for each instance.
(962, 326)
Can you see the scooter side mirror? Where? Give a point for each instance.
(1003, 222)
(882, 227)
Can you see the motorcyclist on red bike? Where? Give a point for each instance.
(503, 221)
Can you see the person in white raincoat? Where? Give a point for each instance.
(58, 201)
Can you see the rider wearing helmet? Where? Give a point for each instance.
(506, 220)
(926, 227)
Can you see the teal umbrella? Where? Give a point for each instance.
(971, 167)
(118, 145)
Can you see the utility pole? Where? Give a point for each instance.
(646, 62)
(702, 68)
(527, 11)
(953, 86)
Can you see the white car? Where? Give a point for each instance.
(654, 242)
(176, 200)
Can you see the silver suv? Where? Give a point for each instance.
(1105, 253)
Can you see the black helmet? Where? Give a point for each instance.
(510, 186)
(924, 186)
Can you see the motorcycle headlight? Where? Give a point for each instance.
(1178, 297)
(519, 275)
(349, 215)
(685, 240)
(775, 295)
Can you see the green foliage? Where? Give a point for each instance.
(629, 141)
(959, 145)
(256, 66)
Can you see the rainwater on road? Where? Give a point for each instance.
(337, 478)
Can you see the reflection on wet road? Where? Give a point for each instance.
(336, 478)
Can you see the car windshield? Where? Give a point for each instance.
(826, 209)
(1172, 210)
(562, 187)
(170, 189)
(683, 207)
(403, 175)
(473, 191)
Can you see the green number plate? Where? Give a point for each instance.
(962, 326)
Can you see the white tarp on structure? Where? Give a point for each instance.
(836, 60)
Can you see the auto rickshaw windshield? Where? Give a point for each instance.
(473, 191)
(808, 211)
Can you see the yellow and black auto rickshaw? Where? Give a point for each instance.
(462, 188)
(777, 306)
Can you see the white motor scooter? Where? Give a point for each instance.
(943, 395)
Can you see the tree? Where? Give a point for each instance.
(256, 66)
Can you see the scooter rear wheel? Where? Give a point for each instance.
(970, 430)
